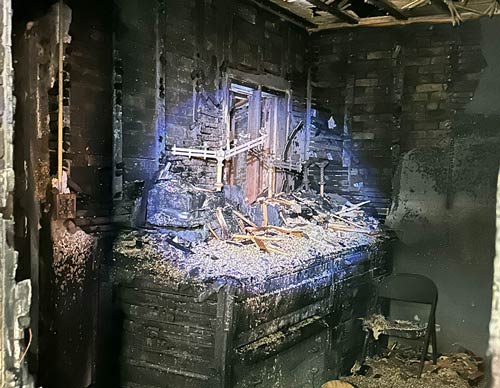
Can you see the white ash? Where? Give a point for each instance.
(72, 253)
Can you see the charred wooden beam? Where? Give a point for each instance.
(335, 11)
(224, 335)
(390, 8)
(283, 14)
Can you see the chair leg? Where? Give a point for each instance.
(434, 344)
(424, 351)
(365, 347)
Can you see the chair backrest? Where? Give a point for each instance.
(408, 288)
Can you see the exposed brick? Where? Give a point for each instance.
(430, 88)
(367, 82)
(418, 61)
(378, 55)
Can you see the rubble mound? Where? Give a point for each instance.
(398, 367)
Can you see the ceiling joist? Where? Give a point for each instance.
(336, 14)
(389, 7)
(334, 10)
(284, 14)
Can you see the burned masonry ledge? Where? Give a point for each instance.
(225, 313)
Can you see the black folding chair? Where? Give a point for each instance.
(410, 288)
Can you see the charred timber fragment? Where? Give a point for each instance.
(335, 11)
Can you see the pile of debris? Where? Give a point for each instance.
(250, 243)
(291, 214)
(398, 368)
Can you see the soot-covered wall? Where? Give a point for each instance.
(416, 116)
(173, 56)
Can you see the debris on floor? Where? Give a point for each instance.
(398, 368)
(378, 325)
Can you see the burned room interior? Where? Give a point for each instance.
(250, 193)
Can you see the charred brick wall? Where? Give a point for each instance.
(15, 297)
(204, 40)
(389, 90)
(89, 61)
(174, 59)
(414, 105)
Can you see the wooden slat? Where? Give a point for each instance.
(335, 11)
(390, 8)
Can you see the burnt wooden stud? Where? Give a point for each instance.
(335, 11)
(224, 334)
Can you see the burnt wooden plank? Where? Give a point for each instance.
(147, 281)
(335, 11)
(319, 308)
(299, 366)
(256, 311)
(278, 342)
(169, 358)
(284, 281)
(158, 314)
(143, 373)
(166, 329)
(165, 299)
(169, 343)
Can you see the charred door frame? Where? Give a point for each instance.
(258, 86)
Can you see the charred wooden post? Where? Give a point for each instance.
(224, 335)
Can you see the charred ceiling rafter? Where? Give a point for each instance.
(335, 10)
(284, 14)
(450, 7)
(380, 13)
(389, 7)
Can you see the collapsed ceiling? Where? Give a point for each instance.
(326, 14)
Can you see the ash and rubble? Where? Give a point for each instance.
(397, 367)
(246, 243)
(72, 252)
